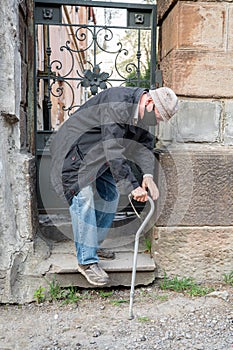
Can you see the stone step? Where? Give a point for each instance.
(62, 262)
(64, 270)
(62, 265)
(57, 227)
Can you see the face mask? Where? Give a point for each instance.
(149, 118)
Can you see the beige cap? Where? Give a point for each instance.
(165, 101)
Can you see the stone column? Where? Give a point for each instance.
(194, 233)
(17, 169)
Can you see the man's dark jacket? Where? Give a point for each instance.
(102, 134)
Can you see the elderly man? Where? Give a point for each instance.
(90, 163)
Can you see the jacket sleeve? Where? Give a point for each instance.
(142, 152)
(115, 145)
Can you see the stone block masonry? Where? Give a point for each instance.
(228, 123)
(196, 121)
(194, 231)
(204, 253)
(200, 121)
(196, 47)
(197, 187)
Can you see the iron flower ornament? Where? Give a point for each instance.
(95, 80)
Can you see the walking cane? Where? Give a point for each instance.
(139, 231)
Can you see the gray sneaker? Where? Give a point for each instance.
(94, 274)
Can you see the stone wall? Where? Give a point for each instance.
(196, 47)
(17, 168)
(194, 233)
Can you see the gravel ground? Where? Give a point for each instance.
(163, 320)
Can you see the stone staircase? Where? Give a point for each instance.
(61, 263)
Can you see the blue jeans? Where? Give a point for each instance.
(92, 212)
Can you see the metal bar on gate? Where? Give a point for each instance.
(139, 231)
(91, 3)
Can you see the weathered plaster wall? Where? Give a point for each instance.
(194, 233)
(17, 170)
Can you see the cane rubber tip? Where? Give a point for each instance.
(131, 317)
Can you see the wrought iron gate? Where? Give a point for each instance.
(81, 48)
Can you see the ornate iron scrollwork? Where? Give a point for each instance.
(96, 39)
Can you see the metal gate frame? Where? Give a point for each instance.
(48, 12)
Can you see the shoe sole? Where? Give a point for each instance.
(90, 281)
(105, 257)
